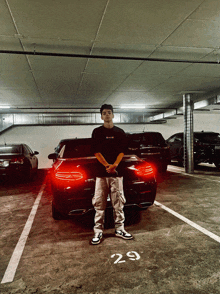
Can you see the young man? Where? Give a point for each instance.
(109, 143)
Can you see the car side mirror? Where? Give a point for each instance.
(53, 156)
(36, 152)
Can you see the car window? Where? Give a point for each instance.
(58, 148)
(25, 150)
(75, 150)
(171, 140)
(60, 154)
(10, 149)
(208, 137)
(153, 139)
(134, 137)
(29, 149)
(175, 138)
(178, 138)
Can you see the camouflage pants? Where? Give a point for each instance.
(112, 186)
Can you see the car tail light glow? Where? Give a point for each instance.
(144, 170)
(70, 176)
(17, 160)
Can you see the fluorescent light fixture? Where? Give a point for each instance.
(156, 117)
(4, 107)
(133, 106)
(170, 113)
(201, 104)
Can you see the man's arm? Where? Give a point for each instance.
(101, 159)
(112, 168)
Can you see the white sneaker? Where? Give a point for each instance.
(123, 234)
(96, 239)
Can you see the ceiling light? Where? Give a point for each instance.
(4, 107)
(201, 104)
(133, 106)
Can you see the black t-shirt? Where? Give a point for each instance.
(110, 143)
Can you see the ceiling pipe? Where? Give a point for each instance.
(196, 106)
(105, 57)
(86, 109)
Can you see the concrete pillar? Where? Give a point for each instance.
(188, 134)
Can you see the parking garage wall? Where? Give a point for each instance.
(44, 138)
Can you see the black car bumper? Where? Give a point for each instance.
(15, 170)
(78, 201)
(209, 154)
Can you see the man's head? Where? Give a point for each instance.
(107, 113)
(106, 106)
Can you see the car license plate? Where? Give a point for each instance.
(217, 147)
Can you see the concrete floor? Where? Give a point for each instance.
(167, 255)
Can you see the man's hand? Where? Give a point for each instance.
(111, 168)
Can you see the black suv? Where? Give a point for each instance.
(151, 147)
(206, 147)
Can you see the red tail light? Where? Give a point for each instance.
(69, 176)
(17, 160)
(144, 170)
(69, 173)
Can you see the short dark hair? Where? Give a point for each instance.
(106, 106)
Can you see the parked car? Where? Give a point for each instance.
(151, 147)
(18, 160)
(206, 147)
(73, 174)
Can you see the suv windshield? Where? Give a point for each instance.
(10, 149)
(208, 137)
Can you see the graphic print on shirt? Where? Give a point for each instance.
(110, 137)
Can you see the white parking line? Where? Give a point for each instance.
(15, 258)
(189, 222)
(200, 176)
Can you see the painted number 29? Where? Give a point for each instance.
(131, 254)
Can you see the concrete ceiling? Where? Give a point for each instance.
(174, 30)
